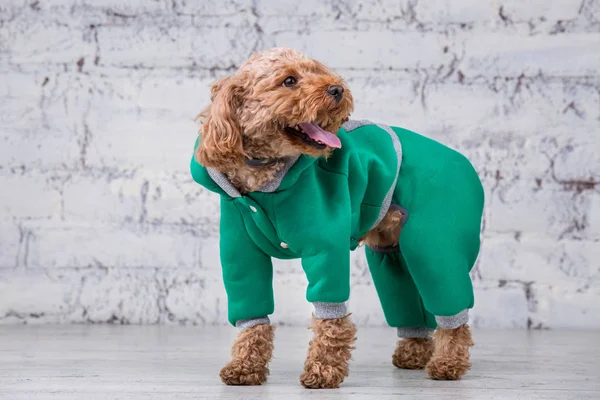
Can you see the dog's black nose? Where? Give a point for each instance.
(336, 91)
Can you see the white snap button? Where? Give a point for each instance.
(253, 209)
(284, 245)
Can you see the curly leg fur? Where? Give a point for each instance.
(251, 353)
(450, 360)
(326, 365)
(387, 233)
(412, 353)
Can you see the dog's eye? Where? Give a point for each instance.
(289, 81)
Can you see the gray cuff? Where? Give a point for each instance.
(330, 310)
(408, 332)
(249, 323)
(453, 321)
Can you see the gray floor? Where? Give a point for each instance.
(130, 362)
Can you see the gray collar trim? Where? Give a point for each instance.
(274, 183)
(220, 179)
(353, 124)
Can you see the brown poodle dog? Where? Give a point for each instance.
(248, 130)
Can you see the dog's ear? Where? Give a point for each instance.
(220, 135)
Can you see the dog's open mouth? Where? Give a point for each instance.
(313, 135)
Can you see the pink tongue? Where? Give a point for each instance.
(315, 132)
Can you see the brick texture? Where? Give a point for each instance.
(101, 222)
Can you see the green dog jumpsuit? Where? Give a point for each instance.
(318, 209)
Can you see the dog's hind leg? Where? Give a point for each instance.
(450, 360)
(398, 294)
(414, 348)
(452, 340)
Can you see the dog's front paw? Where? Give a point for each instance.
(251, 353)
(319, 376)
(240, 372)
(326, 363)
(448, 368)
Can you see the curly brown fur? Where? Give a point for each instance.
(387, 233)
(412, 353)
(248, 179)
(326, 365)
(250, 109)
(251, 353)
(450, 360)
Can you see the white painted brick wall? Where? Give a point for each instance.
(101, 222)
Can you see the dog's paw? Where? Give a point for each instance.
(320, 376)
(450, 360)
(412, 353)
(239, 372)
(448, 368)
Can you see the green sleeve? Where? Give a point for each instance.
(328, 271)
(328, 276)
(247, 270)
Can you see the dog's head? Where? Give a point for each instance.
(279, 103)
